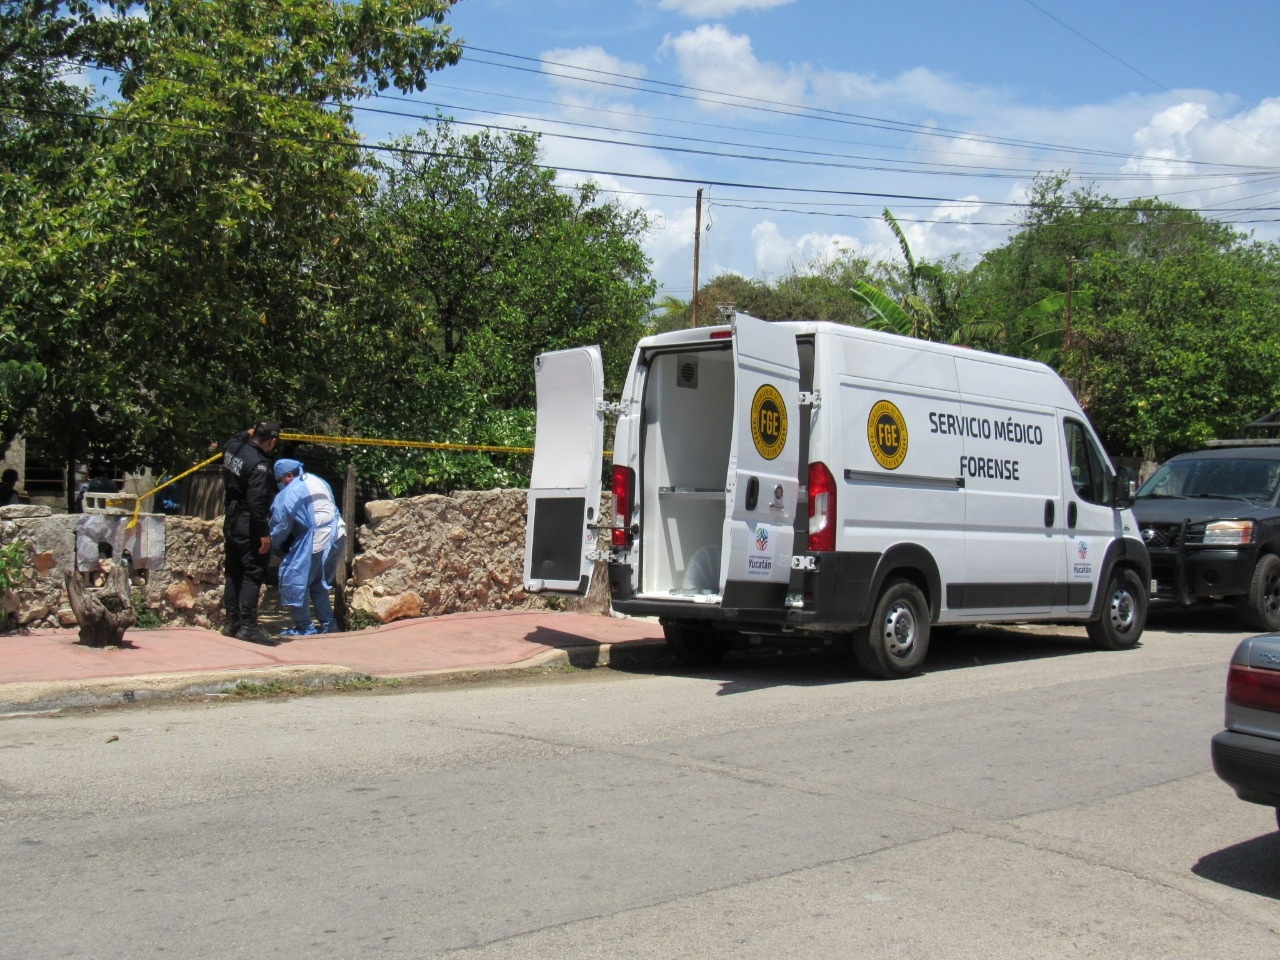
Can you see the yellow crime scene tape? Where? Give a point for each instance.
(329, 441)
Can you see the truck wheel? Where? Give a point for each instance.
(694, 644)
(1124, 613)
(1261, 608)
(894, 643)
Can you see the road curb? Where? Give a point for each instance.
(52, 696)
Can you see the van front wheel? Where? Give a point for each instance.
(1124, 613)
(695, 644)
(894, 643)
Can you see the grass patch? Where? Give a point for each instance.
(361, 620)
(272, 688)
(281, 688)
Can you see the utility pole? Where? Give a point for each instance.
(697, 240)
(1066, 334)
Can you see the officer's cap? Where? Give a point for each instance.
(266, 430)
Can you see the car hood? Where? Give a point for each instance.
(1177, 509)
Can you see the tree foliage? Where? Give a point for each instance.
(478, 263)
(1172, 335)
(169, 260)
(818, 290)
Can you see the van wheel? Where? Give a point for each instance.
(1261, 608)
(1124, 613)
(694, 644)
(894, 643)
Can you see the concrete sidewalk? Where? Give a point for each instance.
(49, 670)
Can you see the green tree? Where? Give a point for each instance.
(1182, 349)
(928, 293)
(175, 273)
(481, 263)
(669, 313)
(817, 290)
(1173, 333)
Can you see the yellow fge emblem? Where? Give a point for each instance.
(887, 435)
(768, 422)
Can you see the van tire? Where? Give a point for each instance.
(1124, 612)
(695, 644)
(1260, 608)
(896, 640)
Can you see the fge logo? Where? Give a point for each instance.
(768, 422)
(887, 435)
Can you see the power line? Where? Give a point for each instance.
(781, 107)
(403, 149)
(956, 170)
(1145, 76)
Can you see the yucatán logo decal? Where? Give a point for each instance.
(887, 435)
(768, 422)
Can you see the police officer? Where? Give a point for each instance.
(249, 487)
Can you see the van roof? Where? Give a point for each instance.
(695, 335)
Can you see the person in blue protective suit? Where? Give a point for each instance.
(307, 527)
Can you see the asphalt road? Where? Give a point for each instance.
(1026, 797)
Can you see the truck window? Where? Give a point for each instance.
(1089, 475)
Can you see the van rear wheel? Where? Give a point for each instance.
(1124, 613)
(696, 644)
(896, 640)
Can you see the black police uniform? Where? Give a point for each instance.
(250, 487)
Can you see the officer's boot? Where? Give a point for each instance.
(252, 633)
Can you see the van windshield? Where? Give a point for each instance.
(1247, 478)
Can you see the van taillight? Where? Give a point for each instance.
(624, 492)
(1249, 687)
(822, 508)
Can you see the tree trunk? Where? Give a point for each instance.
(104, 613)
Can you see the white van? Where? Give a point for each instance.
(831, 483)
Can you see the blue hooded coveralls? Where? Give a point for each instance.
(306, 574)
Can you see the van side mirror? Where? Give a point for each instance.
(1124, 489)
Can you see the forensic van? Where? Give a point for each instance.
(830, 484)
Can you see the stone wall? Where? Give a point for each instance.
(419, 556)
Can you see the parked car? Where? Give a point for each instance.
(1211, 523)
(1247, 754)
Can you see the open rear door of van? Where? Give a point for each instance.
(564, 486)
(764, 467)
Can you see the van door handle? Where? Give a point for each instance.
(1071, 514)
(753, 492)
(1048, 513)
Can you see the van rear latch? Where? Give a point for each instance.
(813, 399)
(808, 564)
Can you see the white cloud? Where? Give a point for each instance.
(777, 254)
(580, 69)
(918, 87)
(1189, 131)
(712, 58)
(707, 9)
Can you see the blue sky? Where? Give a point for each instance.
(829, 110)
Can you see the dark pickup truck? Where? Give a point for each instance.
(1211, 523)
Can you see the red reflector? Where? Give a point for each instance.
(721, 334)
(1249, 687)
